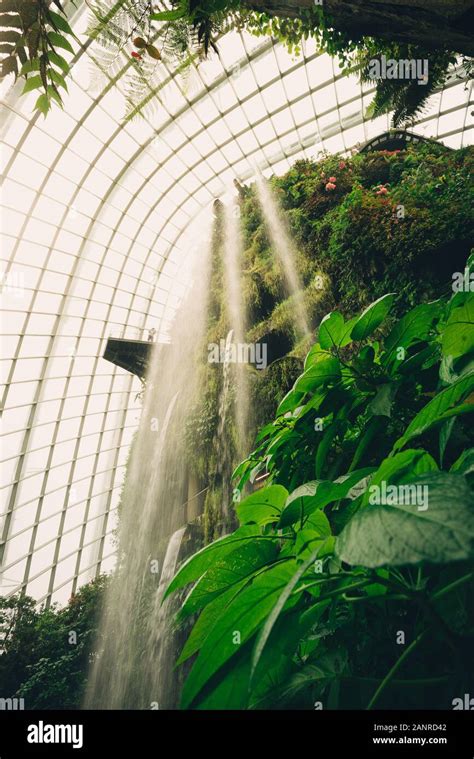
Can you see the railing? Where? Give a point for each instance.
(130, 333)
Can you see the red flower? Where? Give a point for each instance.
(332, 179)
(330, 186)
(136, 55)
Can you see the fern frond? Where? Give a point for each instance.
(406, 98)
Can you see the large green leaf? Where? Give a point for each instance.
(451, 369)
(42, 104)
(372, 317)
(329, 669)
(458, 334)
(381, 403)
(59, 61)
(243, 616)
(58, 79)
(319, 493)
(207, 619)
(59, 22)
(280, 604)
(264, 506)
(199, 562)
(414, 326)
(403, 467)
(289, 402)
(331, 330)
(308, 539)
(405, 534)
(32, 83)
(230, 570)
(326, 370)
(465, 463)
(444, 405)
(229, 688)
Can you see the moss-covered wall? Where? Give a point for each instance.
(378, 222)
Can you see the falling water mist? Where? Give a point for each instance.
(284, 249)
(135, 668)
(138, 642)
(236, 317)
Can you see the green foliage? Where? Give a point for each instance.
(187, 32)
(398, 534)
(130, 28)
(345, 257)
(34, 33)
(354, 537)
(40, 661)
(405, 97)
(400, 216)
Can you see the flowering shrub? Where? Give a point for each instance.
(387, 220)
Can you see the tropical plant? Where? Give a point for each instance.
(350, 580)
(45, 653)
(395, 220)
(31, 34)
(188, 31)
(406, 97)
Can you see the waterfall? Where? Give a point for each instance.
(162, 649)
(284, 249)
(152, 512)
(236, 317)
(138, 643)
(224, 463)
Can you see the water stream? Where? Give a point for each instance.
(139, 646)
(285, 251)
(232, 258)
(152, 509)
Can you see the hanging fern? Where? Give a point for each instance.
(112, 25)
(133, 42)
(407, 98)
(146, 45)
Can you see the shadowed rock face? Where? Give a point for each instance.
(278, 345)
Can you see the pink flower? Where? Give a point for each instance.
(382, 191)
(332, 179)
(330, 186)
(342, 165)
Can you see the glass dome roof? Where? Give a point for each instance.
(99, 217)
